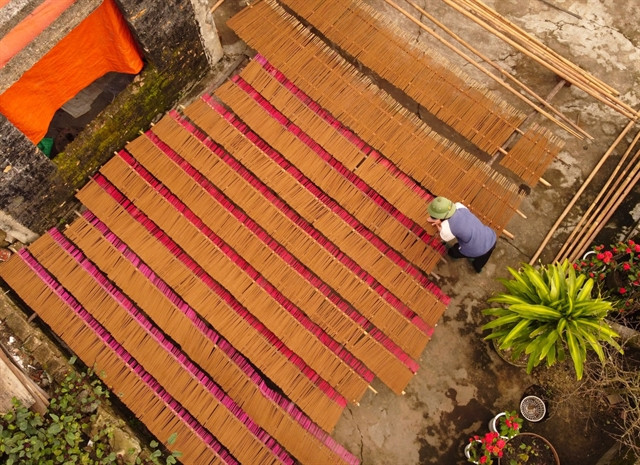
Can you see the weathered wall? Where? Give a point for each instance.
(208, 31)
(24, 176)
(37, 192)
(163, 28)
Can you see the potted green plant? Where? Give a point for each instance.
(616, 271)
(547, 312)
(507, 424)
(484, 449)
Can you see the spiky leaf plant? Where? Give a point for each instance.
(547, 312)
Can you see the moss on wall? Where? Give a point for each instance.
(150, 95)
(146, 99)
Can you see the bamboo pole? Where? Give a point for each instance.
(597, 226)
(215, 7)
(567, 127)
(547, 53)
(595, 222)
(487, 60)
(580, 191)
(567, 74)
(544, 182)
(611, 179)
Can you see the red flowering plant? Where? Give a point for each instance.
(483, 449)
(616, 269)
(509, 424)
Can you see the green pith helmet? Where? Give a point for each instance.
(441, 208)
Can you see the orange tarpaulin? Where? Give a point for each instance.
(29, 28)
(99, 44)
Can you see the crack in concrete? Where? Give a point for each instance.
(597, 24)
(361, 436)
(507, 56)
(419, 28)
(522, 252)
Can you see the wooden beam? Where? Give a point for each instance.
(40, 397)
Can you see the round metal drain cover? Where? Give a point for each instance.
(533, 408)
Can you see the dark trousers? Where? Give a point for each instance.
(478, 262)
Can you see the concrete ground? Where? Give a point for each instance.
(462, 381)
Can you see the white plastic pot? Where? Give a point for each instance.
(493, 424)
(467, 449)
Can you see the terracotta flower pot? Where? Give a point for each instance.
(506, 356)
(529, 449)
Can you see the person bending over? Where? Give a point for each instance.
(454, 221)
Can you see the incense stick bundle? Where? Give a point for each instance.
(338, 187)
(303, 235)
(373, 301)
(217, 126)
(327, 173)
(312, 394)
(193, 389)
(427, 77)
(283, 228)
(281, 418)
(380, 174)
(141, 393)
(380, 121)
(264, 301)
(329, 312)
(532, 153)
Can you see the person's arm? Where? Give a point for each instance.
(445, 232)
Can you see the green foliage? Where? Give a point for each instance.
(62, 435)
(524, 452)
(547, 312)
(616, 270)
(509, 425)
(154, 456)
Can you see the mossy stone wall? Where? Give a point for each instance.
(37, 192)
